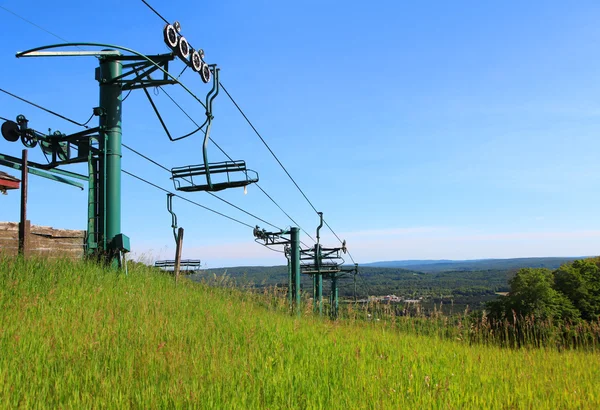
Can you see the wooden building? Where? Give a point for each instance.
(8, 182)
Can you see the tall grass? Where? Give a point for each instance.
(475, 327)
(469, 327)
(75, 335)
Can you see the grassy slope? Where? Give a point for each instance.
(77, 336)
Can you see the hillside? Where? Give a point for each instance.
(432, 266)
(454, 285)
(457, 290)
(489, 275)
(405, 263)
(74, 335)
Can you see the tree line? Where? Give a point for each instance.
(568, 294)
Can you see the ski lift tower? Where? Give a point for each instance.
(122, 69)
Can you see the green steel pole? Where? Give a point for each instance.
(334, 297)
(337, 298)
(319, 279)
(315, 277)
(318, 293)
(92, 205)
(110, 132)
(295, 263)
(320, 282)
(315, 295)
(355, 273)
(290, 283)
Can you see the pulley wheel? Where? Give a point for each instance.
(196, 61)
(29, 140)
(184, 48)
(10, 131)
(170, 35)
(205, 73)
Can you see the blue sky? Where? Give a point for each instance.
(422, 130)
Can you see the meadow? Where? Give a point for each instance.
(74, 335)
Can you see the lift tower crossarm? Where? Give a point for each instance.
(136, 55)
(15, 163)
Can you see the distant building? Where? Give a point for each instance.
(8, 182)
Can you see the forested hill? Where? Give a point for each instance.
(474, 265)
(379, 281)
(465, 282)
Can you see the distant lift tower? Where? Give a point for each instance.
(290, 239)
(321, 262)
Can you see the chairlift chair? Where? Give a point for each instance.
(183, 177)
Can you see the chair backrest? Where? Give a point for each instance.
(214, 168)
(195, 264)
(164, 264)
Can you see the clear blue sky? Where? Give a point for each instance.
(422, 130)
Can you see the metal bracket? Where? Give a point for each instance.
(16, 163)
(271, 238)
(173, 215)
(212, 94)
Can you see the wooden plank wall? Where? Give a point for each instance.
(43, 241)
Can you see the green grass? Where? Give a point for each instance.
(76, 336)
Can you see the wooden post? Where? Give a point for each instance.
(23, 223)
(178, 253)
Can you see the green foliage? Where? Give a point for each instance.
(580, 283)
(569, 293)
(459, 285)
(463, 288)
(532, 295)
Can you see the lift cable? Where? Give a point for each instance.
(155, 12)
(220, 149)
(32, 23)
(131, 149)
(279, 162)
(186, 199)
(266, 145)
(189, 200)
(216, 196)
(229, 157)
(47, 110)
(221, 199)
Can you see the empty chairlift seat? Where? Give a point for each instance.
(185, 265)
(212, 176)
(215, 176)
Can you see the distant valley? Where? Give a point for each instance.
(460, 283)
(475, 264)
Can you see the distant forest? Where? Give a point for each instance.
(454, 284)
